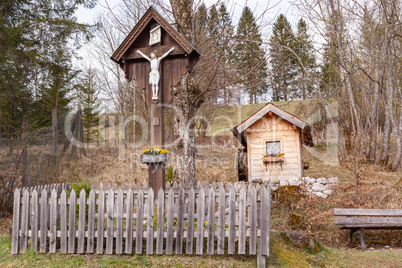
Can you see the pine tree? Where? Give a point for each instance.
(283, 62)
(201, 23)
(305, 51)
(88, 95)
(214, 25)
(57, 84)
(225, 43)
(34, 35)
(250, 56)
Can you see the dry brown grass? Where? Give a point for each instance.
(214, 163)
(377, 188)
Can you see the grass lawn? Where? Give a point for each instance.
(31, 259)
(282, 255)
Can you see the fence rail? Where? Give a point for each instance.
(210, 218)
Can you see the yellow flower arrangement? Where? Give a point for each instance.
(154, 150)
(272, 155)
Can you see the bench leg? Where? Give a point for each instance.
(351, 236)
(362, 239)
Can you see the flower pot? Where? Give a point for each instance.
(272, 159)
(153, 159)
(305, 165)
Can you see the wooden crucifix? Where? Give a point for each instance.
(156, 56)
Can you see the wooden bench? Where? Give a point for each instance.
(359, 219)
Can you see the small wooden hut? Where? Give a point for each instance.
(272, 139)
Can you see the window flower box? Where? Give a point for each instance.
(273, 158)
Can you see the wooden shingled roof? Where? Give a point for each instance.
(304, 127)
(139, 28)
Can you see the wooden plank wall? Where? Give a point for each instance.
(116, 220)
(274, 128)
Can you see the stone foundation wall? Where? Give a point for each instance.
(320, 187)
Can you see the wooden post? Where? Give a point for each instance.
(156, 172)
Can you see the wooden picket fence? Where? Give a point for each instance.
(226, 219)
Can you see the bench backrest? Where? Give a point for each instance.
(368, 218)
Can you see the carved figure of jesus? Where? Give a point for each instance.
(154, 74)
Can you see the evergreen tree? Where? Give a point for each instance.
(283, 62)
(56, 87)
(214, 25)
(201, 23)
(225, 43)
(305, 51)
(34, 36)
(250, 56)
(88, 92)
(329, 72)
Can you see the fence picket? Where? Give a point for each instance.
(129, 221)
(16, 221)
(150, 222)
(119, 222)
(91, 222)
(232, 221)
(200, 221)
(63, 222)
(53, 221)
(101, 221)
(252, 215)
(34, 221)
(264, 207)
(110, 221)
(43, 221)
(71, 221)
(140, 218)
(221, 219)
(211, 220)
(81, 222)
(190, 221)
(160, 222)
(180, 219)
(242, 220)
(268, 218)
(24, 221)
(169, 222)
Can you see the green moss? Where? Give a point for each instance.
(295, 219)
(287, 257)
(288, 195)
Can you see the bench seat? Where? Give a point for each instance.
(359, 219)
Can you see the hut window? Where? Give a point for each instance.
(273, 147)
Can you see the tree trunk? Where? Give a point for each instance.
(374, 117)
(398, 154)
(182, 12)
(389, 96)
(184, 144)
(347, 101)
(304, 86)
